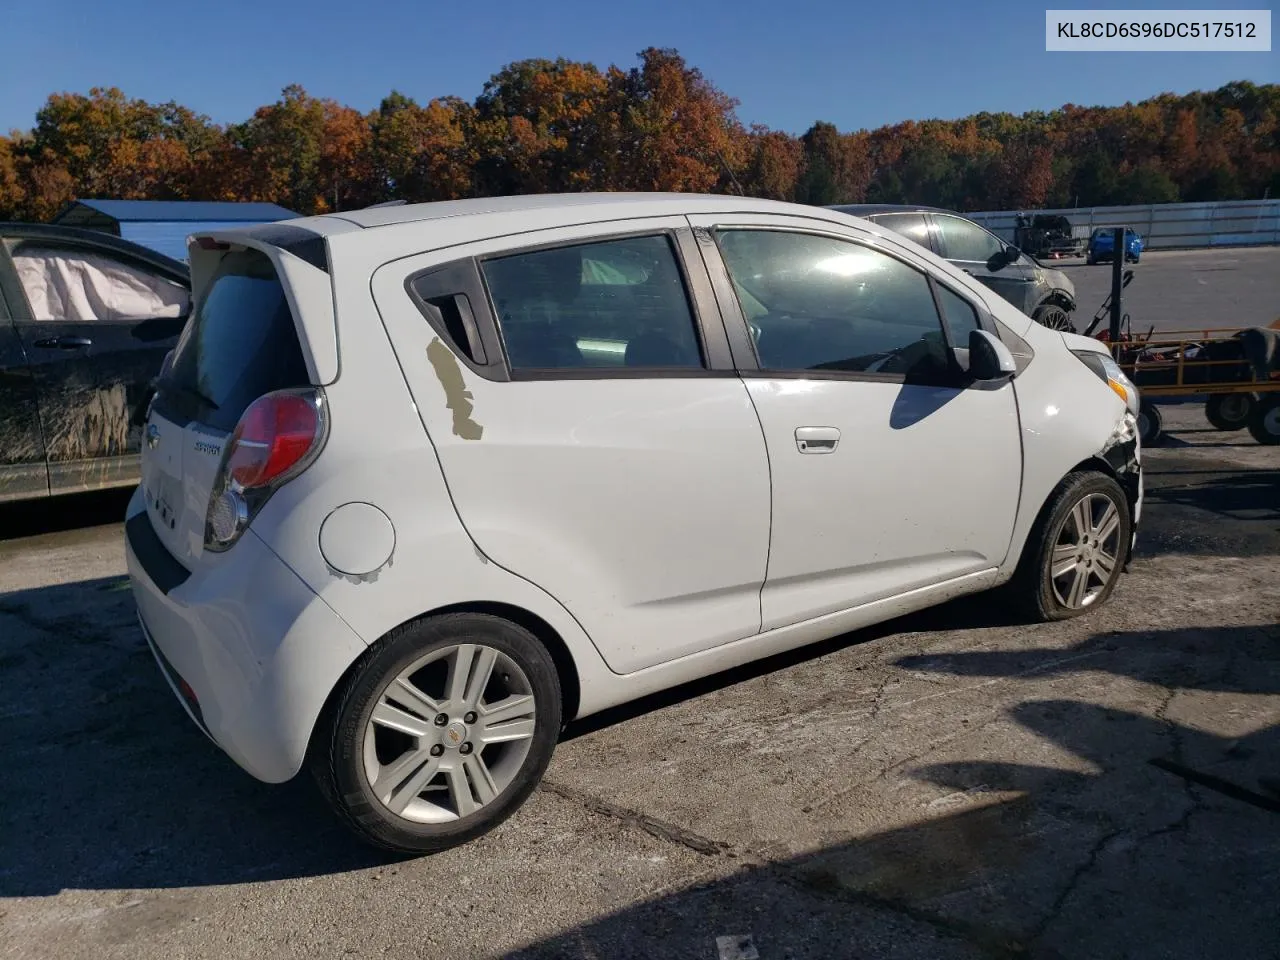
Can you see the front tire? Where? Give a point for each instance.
(1264, 422)
(439, 733)
(1076, 551)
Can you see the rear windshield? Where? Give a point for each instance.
(240, 344)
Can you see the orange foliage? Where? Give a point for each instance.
(560, 125)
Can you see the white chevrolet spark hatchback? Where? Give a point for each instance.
(423, 483)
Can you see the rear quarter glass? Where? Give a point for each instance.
(241, 343)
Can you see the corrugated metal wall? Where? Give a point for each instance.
(169, 237)
(1164, 225)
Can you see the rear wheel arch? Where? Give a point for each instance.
(566, 668)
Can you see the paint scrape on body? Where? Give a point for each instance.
(457, 397)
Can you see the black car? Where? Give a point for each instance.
(1045, 295)
(86, 320)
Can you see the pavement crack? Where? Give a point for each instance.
(992, 943)
(1179, 825)
(934, 746)
(1177, 735)
(877, 698)
(670, 832)
(1072, 883)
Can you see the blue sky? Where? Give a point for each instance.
(789, 62)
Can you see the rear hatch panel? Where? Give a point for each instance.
(242, 341)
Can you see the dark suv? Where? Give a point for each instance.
(1045, 295)
(85, 322)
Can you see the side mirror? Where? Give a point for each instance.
(989, 358)
(1002, 258)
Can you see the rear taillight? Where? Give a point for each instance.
(278, 437)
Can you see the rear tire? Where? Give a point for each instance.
(1264, 422)
(1150, 423)
(1082, 536)
(439, 733)
(1229, 411)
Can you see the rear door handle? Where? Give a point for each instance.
(817, 439)
(64, 343)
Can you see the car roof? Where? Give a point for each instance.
(578, 207)
(871, 209)
(98, 238)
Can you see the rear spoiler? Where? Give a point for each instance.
(300, 255)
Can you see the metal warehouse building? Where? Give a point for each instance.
(164, 225)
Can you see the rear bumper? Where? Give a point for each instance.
(249, 650)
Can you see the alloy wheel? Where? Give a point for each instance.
(1086, 551)
(449, 733)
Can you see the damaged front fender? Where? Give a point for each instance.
(1122, 453)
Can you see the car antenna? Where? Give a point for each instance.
(386, 203)
(729, 171)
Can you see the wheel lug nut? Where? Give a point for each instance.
(465, 749)
(437, 750)
(469, 718)
(441, 720)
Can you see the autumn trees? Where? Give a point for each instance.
(558, 125)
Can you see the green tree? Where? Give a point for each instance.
(1148, 183)
(536, 127)
(773, 164)
(421, 153)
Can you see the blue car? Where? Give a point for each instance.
(1102, 245)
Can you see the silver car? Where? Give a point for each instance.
(1045, 295)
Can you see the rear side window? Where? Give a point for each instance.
(614, 304)
(910, 225)
(241, 343)
(965, 240)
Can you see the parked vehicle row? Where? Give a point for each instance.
(423, 483)
(85, 322)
